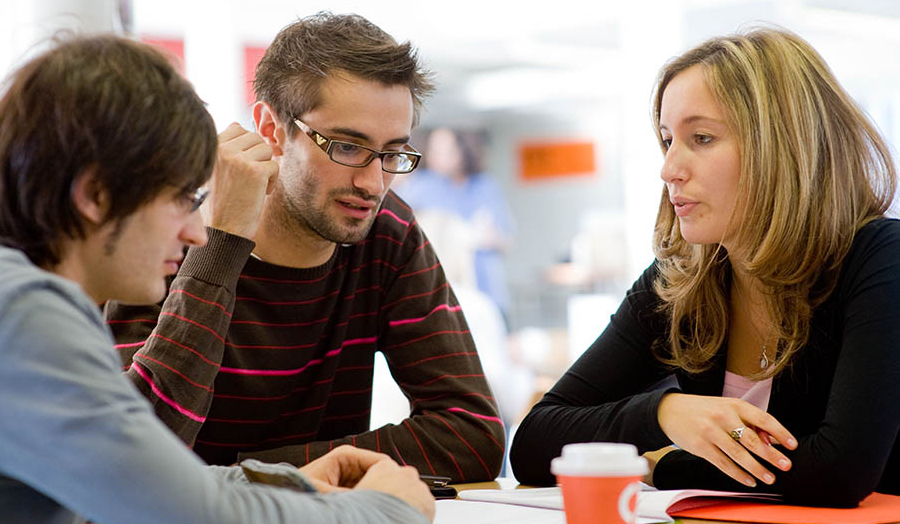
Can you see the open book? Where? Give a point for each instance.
(652, 505)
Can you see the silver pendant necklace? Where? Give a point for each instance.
(764, 360)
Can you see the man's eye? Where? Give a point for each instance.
(347, 148)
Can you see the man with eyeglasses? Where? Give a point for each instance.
(264, 346)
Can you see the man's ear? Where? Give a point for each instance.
(267, 127)
(89, 197)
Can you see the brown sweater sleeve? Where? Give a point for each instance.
(172, 352)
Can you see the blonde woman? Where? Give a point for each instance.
(774, 297)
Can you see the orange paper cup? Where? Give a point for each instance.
(600, 482)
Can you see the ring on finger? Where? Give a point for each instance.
(737, 433)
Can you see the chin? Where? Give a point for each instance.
(695, 235)
(144, 297)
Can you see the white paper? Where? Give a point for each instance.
(652, 504)
(470, 512)
(463, 511)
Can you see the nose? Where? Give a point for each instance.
(194, 231)
(674, 168)
(372, 178)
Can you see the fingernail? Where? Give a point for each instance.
(768, 478)
(792, 443)
(750, 482)
(784, 464)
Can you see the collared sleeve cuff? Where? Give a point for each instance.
(282, 475)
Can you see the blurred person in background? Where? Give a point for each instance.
(264, 346)
(455, 182)
(104, 149)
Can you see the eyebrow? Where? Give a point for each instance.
(346, 131)
(698, 118)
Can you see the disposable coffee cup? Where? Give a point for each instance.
(600, 482)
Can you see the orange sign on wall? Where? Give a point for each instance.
(173, 48)
(252, 56)
(551, 160)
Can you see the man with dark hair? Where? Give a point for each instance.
(264, 346)
(103, 152)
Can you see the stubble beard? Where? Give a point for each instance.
(301, 212)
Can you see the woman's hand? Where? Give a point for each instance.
(702, 426)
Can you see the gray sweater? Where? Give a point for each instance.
(77, 440)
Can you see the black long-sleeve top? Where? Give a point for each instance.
(840, 398)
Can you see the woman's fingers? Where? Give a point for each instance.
(761, 420)
(718, 458)
(731, 434)
(744, 453)
(759, 445)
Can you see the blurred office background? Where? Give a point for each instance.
(557, 95)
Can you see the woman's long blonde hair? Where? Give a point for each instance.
(814, 169)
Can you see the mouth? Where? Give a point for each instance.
(172, 265)
(683, 206)
(356, 207)
(353, 205)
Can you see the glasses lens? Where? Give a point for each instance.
(399, 163)
(349, 154)
(198, 197)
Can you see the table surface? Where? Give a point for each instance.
(508, 483)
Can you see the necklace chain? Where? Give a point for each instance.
(764, 359)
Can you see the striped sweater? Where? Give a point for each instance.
(245, 359)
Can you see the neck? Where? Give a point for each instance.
(75, 266)
(752, 338)
(282, 241)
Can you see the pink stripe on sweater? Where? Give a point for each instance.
(285, 372)
(466, 442)
(131, 345)
(194, 322)
(173, 370)
(392, 215)
(177, 407)
(393, 196)
(422, 449)
(279, 372)
(419, 272)
(401, 322)
(195, 297)
(182, 346)
(476, 415)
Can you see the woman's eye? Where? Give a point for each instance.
(702, 139)
(667, 143)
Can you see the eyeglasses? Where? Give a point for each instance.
(195, 199)
(355, 155)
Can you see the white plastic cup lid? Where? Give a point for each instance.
(599, 459)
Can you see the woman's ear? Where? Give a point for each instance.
(89, 197)
(267, 127)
